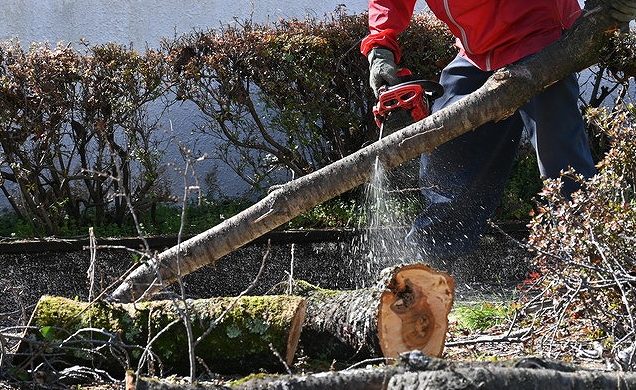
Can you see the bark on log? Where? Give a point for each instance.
(416, 371)
(438, 375)
(239, 343)
(500, 378)
(407, 309)
(134, 382)
(484, 378)
(358, 379)
(430, 374)
(501, 95)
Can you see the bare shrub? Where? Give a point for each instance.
(66, 118)
(586, 249)
(293, 95)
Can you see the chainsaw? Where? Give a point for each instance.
(405, 103)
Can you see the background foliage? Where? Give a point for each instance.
(80, 127)
(586, 247)
(293, 96)
(76, 133)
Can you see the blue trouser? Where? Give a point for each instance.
(462, 180)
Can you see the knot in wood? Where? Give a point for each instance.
(415, 360)
(502, 74)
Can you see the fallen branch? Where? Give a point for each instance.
(518, 336)
(505, 91)
(416, 371)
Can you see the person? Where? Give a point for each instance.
(462, 180)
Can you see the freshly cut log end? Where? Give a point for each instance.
(295, 329)
(414, 310)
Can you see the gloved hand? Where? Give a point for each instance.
(382, 69)
(623, 10)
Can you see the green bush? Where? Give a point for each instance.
(286, 97)
(518, 200)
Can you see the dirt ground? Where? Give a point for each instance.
(490, 274)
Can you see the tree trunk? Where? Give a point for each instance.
(504, 92)
(407, 309)
(436, 375)
(478, 377)
(502, 378)
(245, 340)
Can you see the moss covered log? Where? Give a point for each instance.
(407, 309)
(113, 336)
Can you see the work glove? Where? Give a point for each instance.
(623, 10)
(382, 69)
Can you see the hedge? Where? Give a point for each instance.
(81, 147)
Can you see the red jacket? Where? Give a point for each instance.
(490, 33)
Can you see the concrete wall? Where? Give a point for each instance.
(142, 21)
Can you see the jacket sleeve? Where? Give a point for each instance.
(387, 19)
(569, 12)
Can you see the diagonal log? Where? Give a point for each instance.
(504, 92)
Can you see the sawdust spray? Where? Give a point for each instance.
(383, 228)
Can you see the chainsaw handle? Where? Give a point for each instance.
(414, 96)
(432, 89)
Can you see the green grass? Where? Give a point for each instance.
(336, 213)
(331, 214)
(347, 211)
(481, 316)
(166, 220)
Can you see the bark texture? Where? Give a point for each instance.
(501, 95)
(415, 371)
(360, 379)
(407, 309)
(483, 378)
(239, 343)
(500, 378)
(134, 382)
